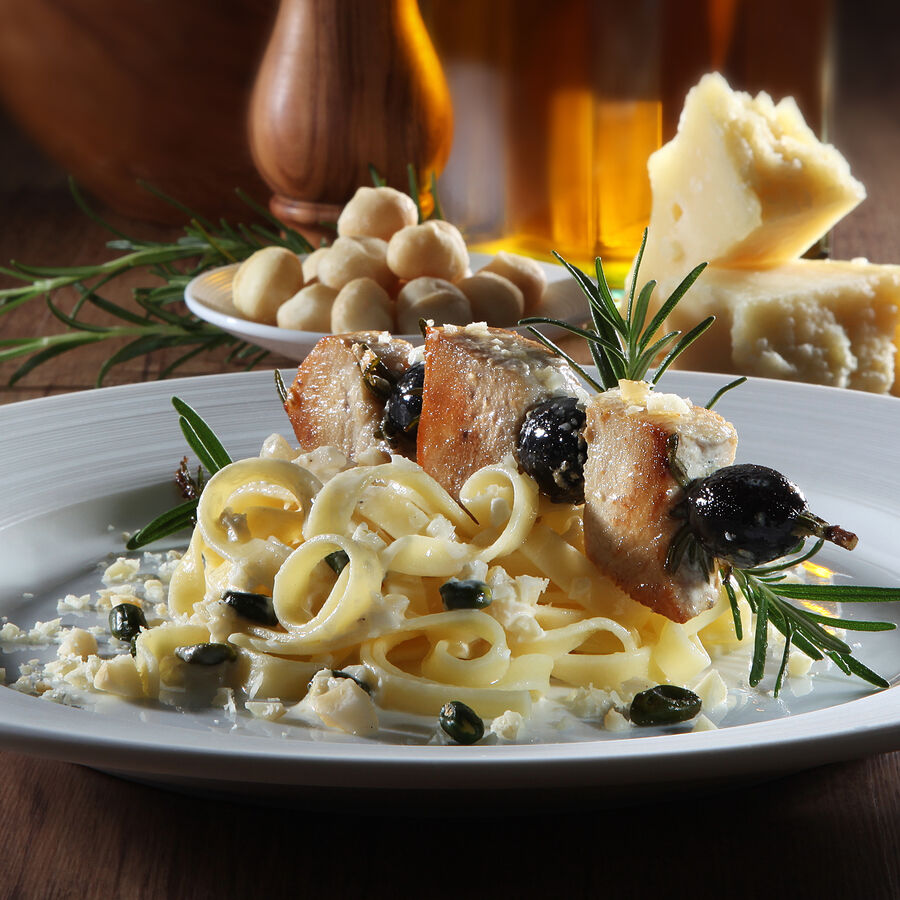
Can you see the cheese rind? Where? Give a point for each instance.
(818, 321)
(744, 182)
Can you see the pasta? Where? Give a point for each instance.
(275, 526)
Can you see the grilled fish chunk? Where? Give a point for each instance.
(479, 382)
(329, 402)
(630, 492)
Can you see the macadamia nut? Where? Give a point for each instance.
(431, 298)
(377, 212)
(526, 274)
(264, 281)
(493, 298)
(362, 305)
(350, 258)
(434, 248)
(308, 310)
(311, 264)
(563, 299)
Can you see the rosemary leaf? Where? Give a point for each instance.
(717, 396)
(735, 610)
(191, 354)
(838, 593)
(170, 522)
(562, 353)
(74, 323)
(850, 624)
(760, 638)
(682, 345)
(639, 317)
(203, 439)
(38, 358)
(785, 658)
(140, 346)
(864, 672)
(90, 295)
(840, 661)
(673, 300)
(804, 645)
(609, 304)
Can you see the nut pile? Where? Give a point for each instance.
(385, 271)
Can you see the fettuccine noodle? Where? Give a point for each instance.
(269, 525)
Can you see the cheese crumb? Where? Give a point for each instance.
(270, 710)
(507, 726)
(121, 571)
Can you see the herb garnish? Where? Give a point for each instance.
(620, 345)
(767, 594)
(159, 322)
(212, 455)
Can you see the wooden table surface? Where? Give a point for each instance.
(68, 831)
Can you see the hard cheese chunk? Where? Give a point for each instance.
(744, 182)
(479, 383)
(630, 492)
(818, 321)
(329, 402)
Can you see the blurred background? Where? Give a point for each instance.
(554, 107)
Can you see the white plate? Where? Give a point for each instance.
(208, 297)
(72, 466)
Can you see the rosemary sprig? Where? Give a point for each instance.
(212, 455)
(768, 595)
(160, 321)
(623, 346)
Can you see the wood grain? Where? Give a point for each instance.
(343, 86)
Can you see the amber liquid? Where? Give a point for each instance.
(558, 105)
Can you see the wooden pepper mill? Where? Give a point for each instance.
(345, 85)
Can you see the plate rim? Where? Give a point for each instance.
(873, 725)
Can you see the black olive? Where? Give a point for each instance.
(746, 515)
(206, 654)
(255, 607)
(126, 621)
(552, 450)
(461, 723)
(465, 594)
(404, 405)
(337, 560)
(665, 704)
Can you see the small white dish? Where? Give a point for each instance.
(208, 296)
(76, 470)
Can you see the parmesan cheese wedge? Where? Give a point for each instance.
(745, 182)
(818, 321)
